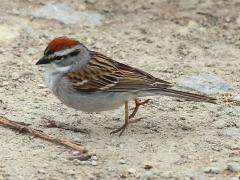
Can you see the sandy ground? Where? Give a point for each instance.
(172, 39)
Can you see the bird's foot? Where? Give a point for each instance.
(125, 125)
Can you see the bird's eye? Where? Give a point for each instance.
(58, 57)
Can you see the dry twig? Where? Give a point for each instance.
(28, 130)
(61, 125)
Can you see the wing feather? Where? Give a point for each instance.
(104, 74)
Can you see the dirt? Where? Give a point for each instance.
(172, 39)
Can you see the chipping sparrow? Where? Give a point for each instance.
(89, 81)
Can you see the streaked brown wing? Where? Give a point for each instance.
(104, 74)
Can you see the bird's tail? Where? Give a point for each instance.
(185, 95)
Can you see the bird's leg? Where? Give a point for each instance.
(138, 103)
(127, 118)
(125, 125)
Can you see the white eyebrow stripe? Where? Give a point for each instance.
(67, 51)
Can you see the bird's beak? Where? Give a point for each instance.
(43, 60)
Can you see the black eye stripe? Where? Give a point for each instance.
(58, 57)
(74, 53)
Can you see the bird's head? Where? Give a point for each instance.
(64, 52)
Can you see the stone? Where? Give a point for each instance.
(220, 124)
(215, 168)
(232, 132)
(205, 83)
(167, 174)
(147, 176)
(122, 161)
(131, 171)
(7, 33)
(236, 98)
(234, 167)
(95, 158)
(94, 163)
(66, 15)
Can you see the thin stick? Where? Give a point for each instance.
(61, 125)
(28, 130)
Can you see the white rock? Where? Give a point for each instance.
(237, 97)
(147, 176)
(234, 178)
(238, 123)
(167, 174)
(94, 163)
(205, 83)
(220, 124)
(70, 172)
(238, 20)
(95, 158)
(8, 33)
(75, 153)
(131, 171)
(41, 171)
(234, 167)
(66, 15)
(193, 25)
(215, 169)
(232, 132)
(122, 161)
(32, 51)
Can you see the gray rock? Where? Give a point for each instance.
(234, 167)
(95, 158)
(94, 163)
(205, 83)
(238, 20)
(147, 176)
(237, 97)
(8, 33)
(232, 132)
(32, 51)
(167, 174)
(215, 169)
(122, 161)
(66, 15)
(131, 171)
(234, 178)
(238, 123)
(220, 124)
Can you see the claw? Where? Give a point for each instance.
(127, 118)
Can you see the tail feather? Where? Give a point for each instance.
(187, 95)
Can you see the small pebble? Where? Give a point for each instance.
(234, 167)
(131, 171)
(147, 176)
(77, 140)
(234, 178)
(238, 124)
(237, 97)
(167, 174)
(32, 51)
(215, 169)
(70, 172)
(122, 161)
(95, 158)
(75, 153)
(94, 163)
(76, 161)
(82, 162)
(232, 132)
(41, 171)
(219, 124)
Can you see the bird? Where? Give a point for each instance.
(89, 81)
